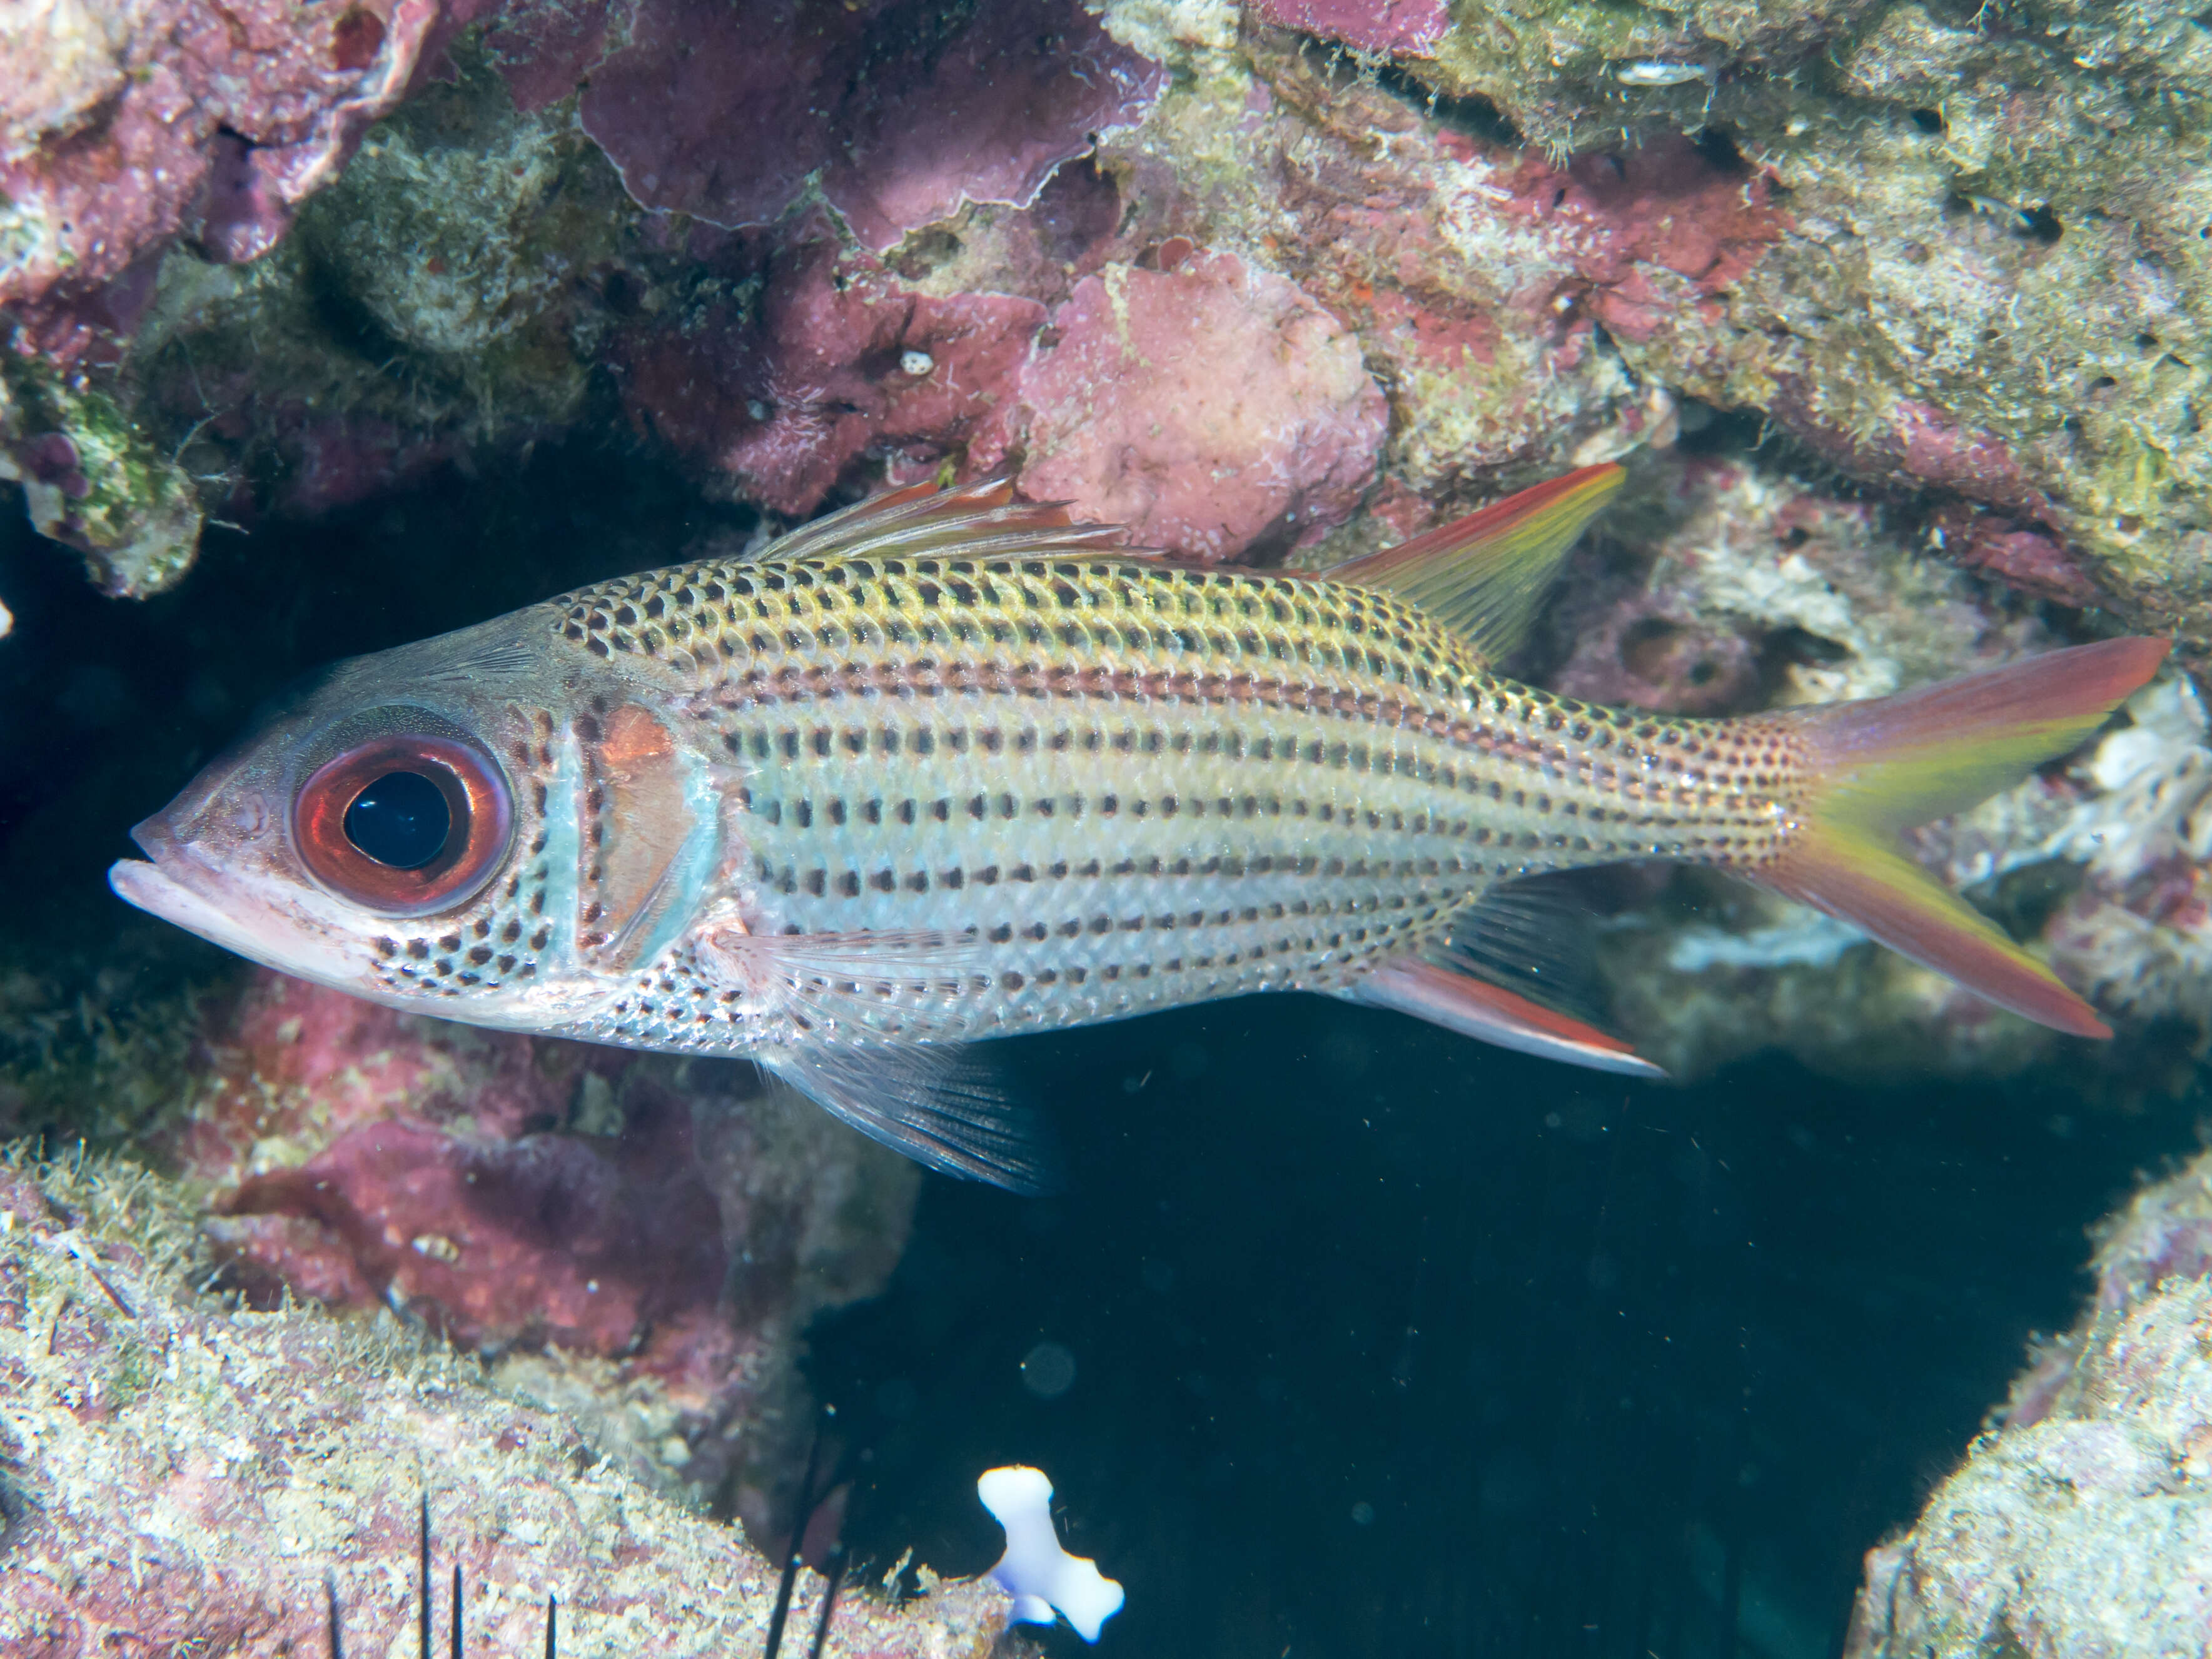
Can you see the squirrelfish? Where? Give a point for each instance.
(947, 766)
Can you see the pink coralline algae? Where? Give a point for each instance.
(436, 1186)
(512, 1192)
(118, 132)
(721, 111)
(1134, 415)
(1652, 234)
(545, 1238)
(1114, 401)
(1408, 27)
(838, 360)
(2026, 556)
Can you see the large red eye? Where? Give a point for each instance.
(404, 825)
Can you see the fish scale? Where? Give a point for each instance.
(947, 766)
(1132, 786)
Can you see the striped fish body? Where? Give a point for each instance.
(1108, 786)
(947, 766)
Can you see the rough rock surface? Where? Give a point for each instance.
(179, 1475)
(1135, 388)
(2079, 1525)
(1995, 278)
(658, 1234)
(723, 113)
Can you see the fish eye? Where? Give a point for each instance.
(401, 821)
(404, 824)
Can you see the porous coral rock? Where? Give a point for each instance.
(722, 112)
(460, 221)
(91, 480)
(182, 1476)
(525, 1197)
(1994, 278)
(121, 124)
(2078, 1525)
(438, 304)
(1129, 416)
(780, 381)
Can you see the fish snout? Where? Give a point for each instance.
(207, 820)
(154, 837)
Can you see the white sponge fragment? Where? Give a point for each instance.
(1035, 1570)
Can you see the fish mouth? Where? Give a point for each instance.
(175, 884)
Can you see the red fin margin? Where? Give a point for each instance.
(1491, 1013)
(1889, 763)
(1484, 576)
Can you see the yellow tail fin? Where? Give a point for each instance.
(1891, 763)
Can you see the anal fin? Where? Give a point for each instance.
(1491, 1013)
(934, 1103)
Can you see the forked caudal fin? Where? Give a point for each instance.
(1887, 764)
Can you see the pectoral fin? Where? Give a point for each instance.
(868, 985)
(934, 1103)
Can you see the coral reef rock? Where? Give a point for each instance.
(723, 113)
(181, 1476)
(2079, 1525)
(643, 1239)
(1131, 419)
(1955, 259)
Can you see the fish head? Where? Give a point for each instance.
(387, 827)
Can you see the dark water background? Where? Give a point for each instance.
(1384, 1342)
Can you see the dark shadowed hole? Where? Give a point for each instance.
(1474, 117)
(1645, 646)
(355, 39)
(1927, 120)
(2024, 900)
(1718, 146)
(1713, 431)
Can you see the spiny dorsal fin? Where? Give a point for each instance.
(1484, 576)
(976, 517)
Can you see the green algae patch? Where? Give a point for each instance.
(92, 479)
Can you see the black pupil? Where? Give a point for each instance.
(401, 819)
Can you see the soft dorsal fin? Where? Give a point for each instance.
(1484, 576)
(981, 517)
